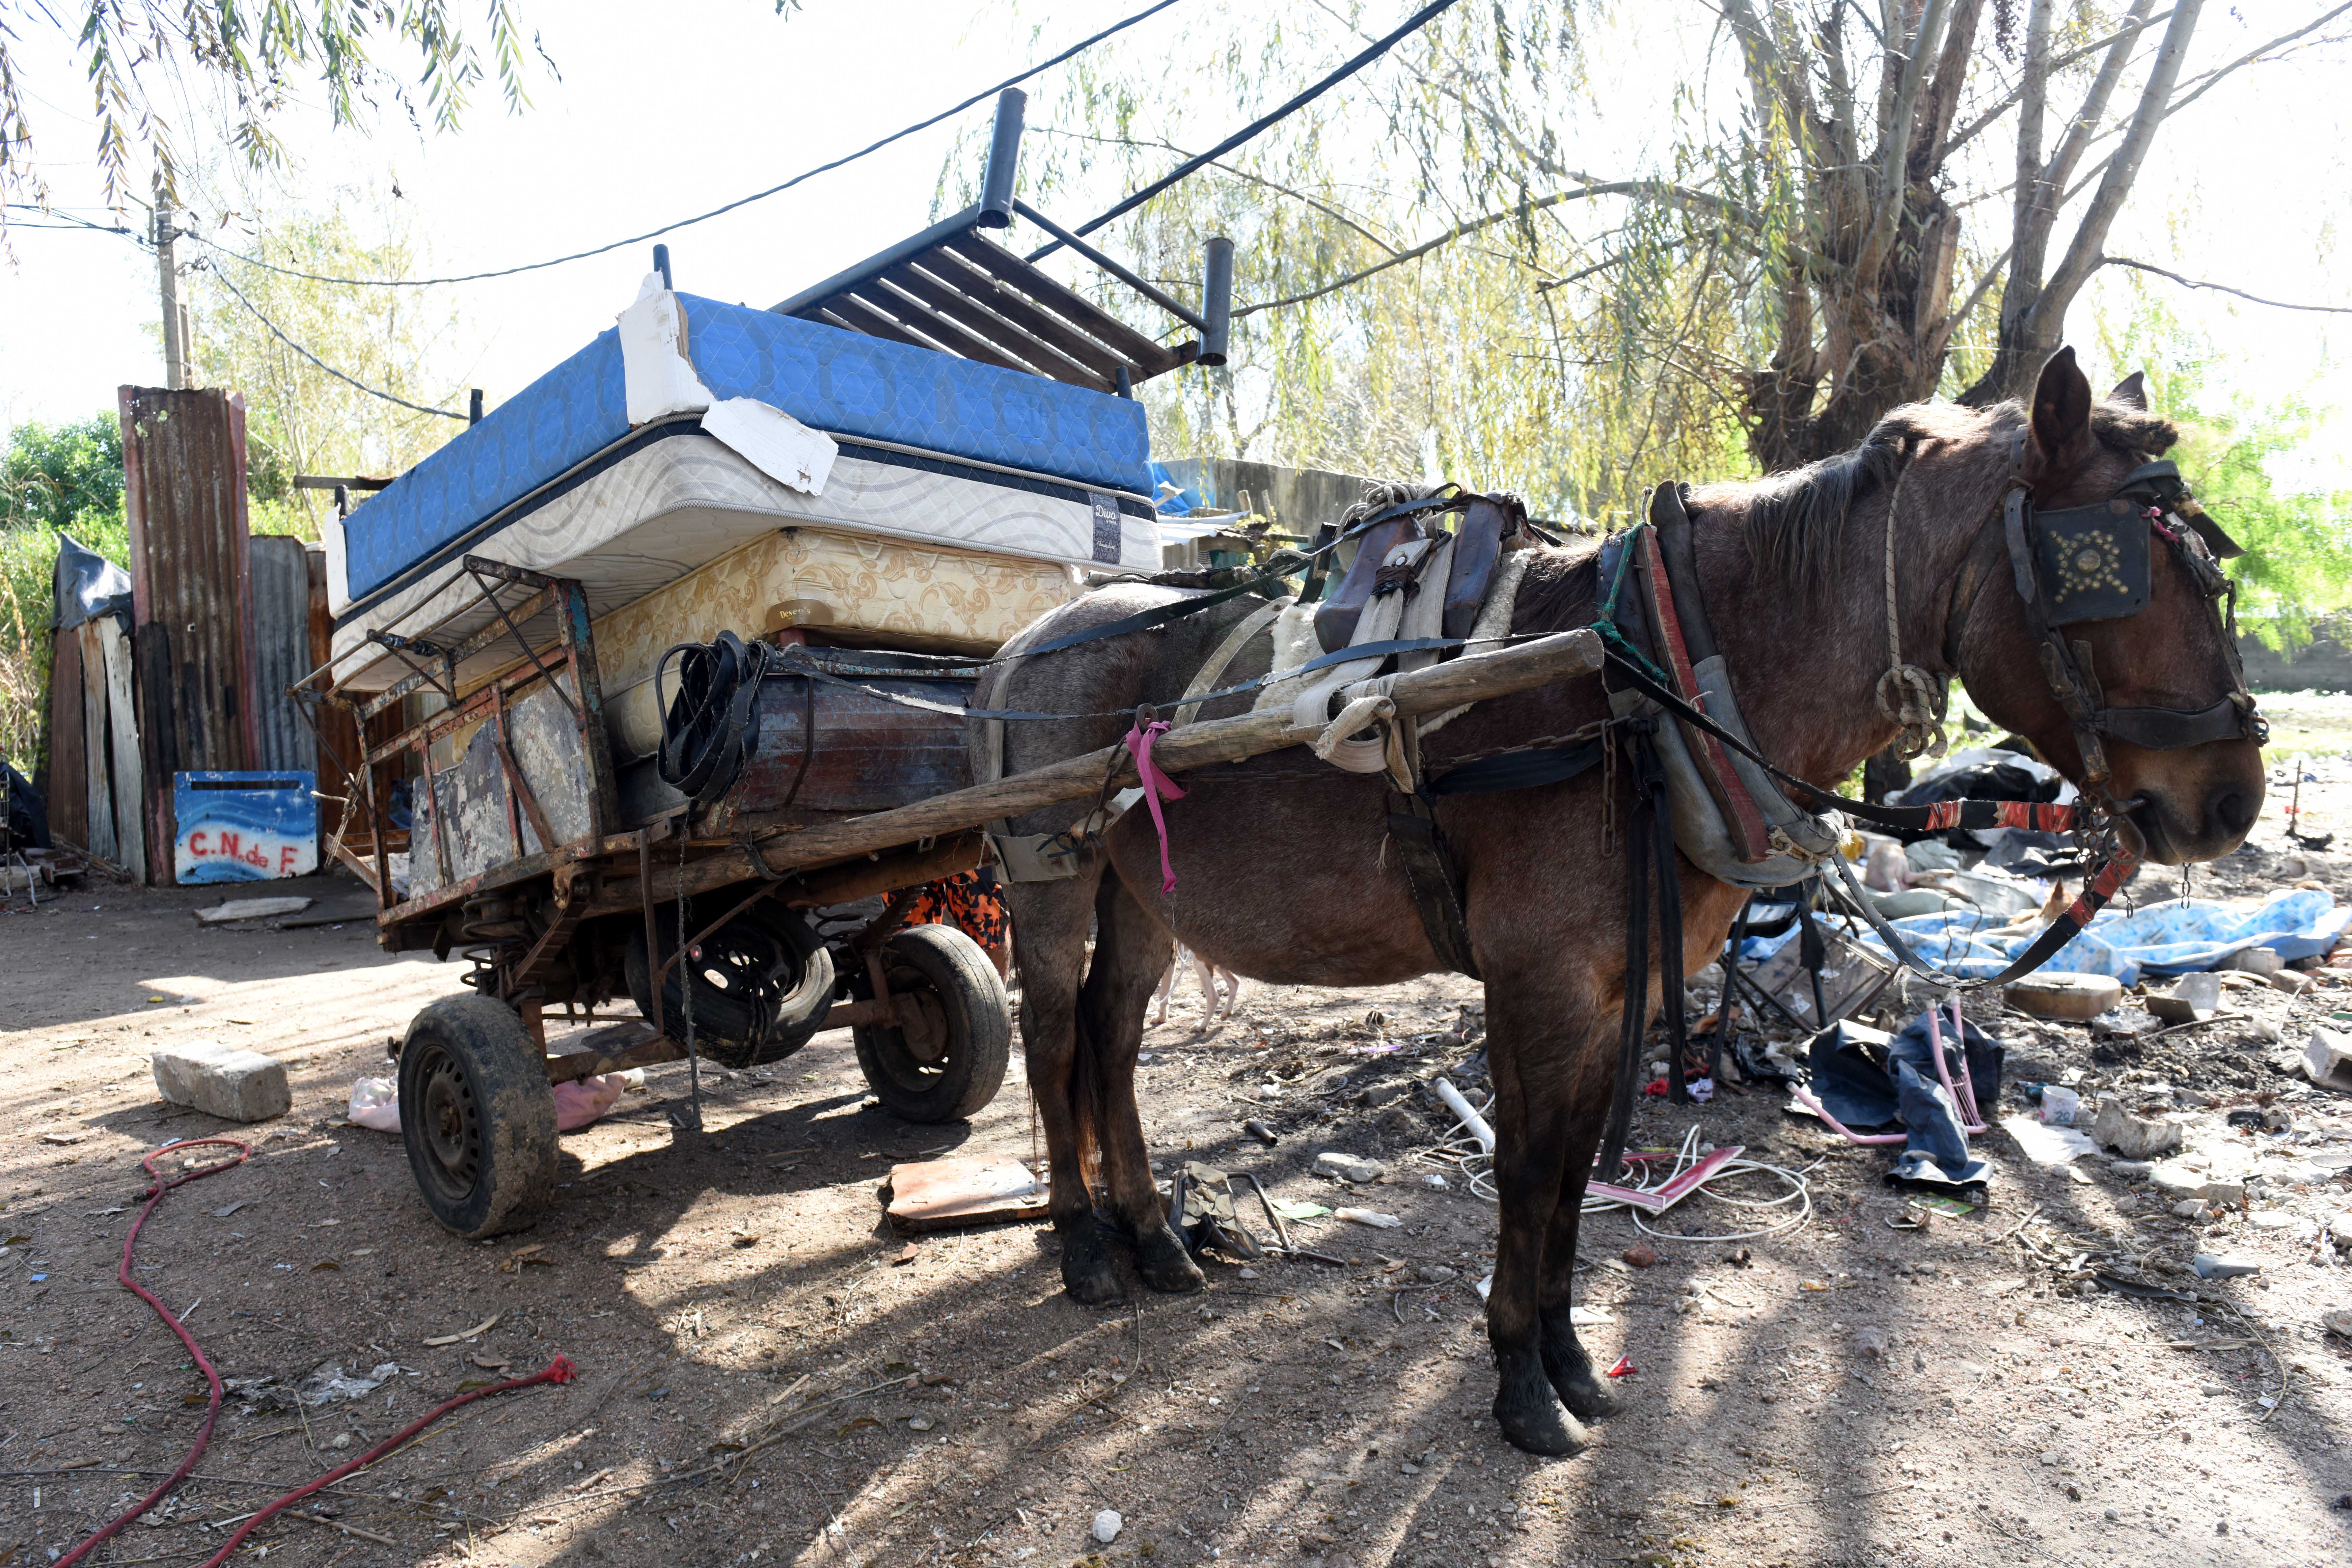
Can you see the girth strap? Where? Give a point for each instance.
(1429, 871)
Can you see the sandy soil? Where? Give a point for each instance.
(1846, 1392)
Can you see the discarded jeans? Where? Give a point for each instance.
(1873, 1084)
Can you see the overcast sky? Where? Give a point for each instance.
(661, 112)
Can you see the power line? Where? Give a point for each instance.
(279, 333)
(1411, 24)
(949, 112)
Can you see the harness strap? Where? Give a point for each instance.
(1429, 871)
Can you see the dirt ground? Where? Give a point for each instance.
(767, 1374)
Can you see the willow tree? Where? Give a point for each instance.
(1671, 229)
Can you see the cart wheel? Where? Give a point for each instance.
(477, 1116)
(763, 984)
(947, 1057)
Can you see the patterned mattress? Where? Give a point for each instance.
(928, 450)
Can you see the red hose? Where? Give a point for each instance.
(561, 1370)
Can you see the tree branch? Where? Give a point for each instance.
(2058, 63)
(1672, 195)
(1895, 152)
(2095, 109)
(2123, 169)
(2224, 288)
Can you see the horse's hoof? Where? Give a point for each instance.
(1571, 1378)
(1544, 1427)
(1087, 1273)
(1585, 1396)
(1160, 1259)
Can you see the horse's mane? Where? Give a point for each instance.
(1796, 521)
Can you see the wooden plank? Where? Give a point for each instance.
(68, 782)
(964, 276)
(938, 326)
(123, 739)
(1149, 357)
(1033, 350)
(98, 794)
(849, 310)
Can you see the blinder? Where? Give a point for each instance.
(2095, 562)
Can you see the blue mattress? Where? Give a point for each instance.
(842, 382)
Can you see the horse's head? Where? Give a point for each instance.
(2143, 705)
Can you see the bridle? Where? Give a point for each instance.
(2071, 565)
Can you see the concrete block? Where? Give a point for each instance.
(2328, 1058)
(228, 1081)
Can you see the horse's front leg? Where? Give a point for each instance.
(1565, 1363)
(1533, 1053)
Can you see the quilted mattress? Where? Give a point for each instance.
(923, 448)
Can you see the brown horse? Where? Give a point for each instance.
(1280, 874)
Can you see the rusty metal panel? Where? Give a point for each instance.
(472, 820)
(183, 495)
(281, 651)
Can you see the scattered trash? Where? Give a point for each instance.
(1926, 1088)
(2192, 999)
(2062, 995)
(375, 1103)
(1624, 1368)
(2210, 1267)
(327, 1382)
(2135, 1137)
(1261, 1132)
(1372, 1218)
(1106, 1526)
(250, 910)
(484, 1327)
(1348, 1167)
(2049, 1146)
(1291, 1208)
(905, 1254)
(580, 1102)
(2059, 1106)
(934, 1195)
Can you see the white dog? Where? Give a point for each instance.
(1228, 1000)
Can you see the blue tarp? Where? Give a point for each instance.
(845, 384)
(2166, 938)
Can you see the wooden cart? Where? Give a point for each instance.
(496, 828)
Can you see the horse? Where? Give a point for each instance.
(1281, 873)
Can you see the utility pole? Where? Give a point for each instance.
(167, 277)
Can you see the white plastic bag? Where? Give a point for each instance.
(582, 1100)
(375, 1102)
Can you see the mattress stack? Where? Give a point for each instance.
(707, 466)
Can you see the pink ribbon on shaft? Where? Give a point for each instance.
(1157, 786)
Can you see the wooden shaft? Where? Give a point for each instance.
(1470, 679)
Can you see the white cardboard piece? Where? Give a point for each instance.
(657, 378)
(773, 442)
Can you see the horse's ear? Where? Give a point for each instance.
(2131, 391)
(2062, 418)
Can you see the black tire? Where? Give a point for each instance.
(763, 986)
(949, 1059)
(477, 1116)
